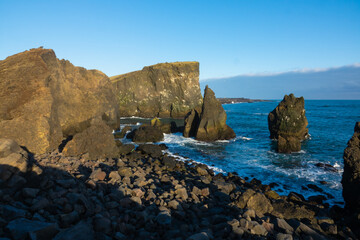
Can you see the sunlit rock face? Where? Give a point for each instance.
(161, 90)
(44, 99)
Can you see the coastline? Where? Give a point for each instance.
(144, 194)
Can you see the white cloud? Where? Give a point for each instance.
(302, 70)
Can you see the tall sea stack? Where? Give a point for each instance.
(287, 124)
(210, 125)
(351, 176)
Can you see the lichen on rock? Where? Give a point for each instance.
(288, 124)
(161, 90)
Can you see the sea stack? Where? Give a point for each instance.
(210, 124)
(351, 176)
(287, 124)
(162, 90)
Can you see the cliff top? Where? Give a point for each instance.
(155, 66)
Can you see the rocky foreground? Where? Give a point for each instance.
(145, 194)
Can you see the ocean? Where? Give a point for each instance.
(252, 153)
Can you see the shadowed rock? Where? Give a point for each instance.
(211, 125)
(43, 98)
(161, 90)
(351, 176)
(287, 123)
(191, 122)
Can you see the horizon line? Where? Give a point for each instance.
(301, 70)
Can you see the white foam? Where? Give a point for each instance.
(184, 159)
(133, 117)
(262, 114)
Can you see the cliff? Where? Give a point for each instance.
(161, 90)
(44, 99)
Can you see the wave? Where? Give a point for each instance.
(134, 117)
(185, 159)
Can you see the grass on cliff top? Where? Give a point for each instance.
(156, 66)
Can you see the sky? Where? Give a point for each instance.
(228, 38)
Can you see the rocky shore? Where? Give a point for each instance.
(147, 194)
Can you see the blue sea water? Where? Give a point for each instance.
(252, 154)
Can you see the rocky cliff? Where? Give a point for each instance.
(161, 90)
(44, 99)
(351, 175)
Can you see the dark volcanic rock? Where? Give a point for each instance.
(288, 144)
(191, 122)
(212, 122)
(351, 176)
(146, 134)
(150, 149)
(287, 123)
(43, 98)
(126, 149)
(96, 140)
(161, 90)
(21, 228)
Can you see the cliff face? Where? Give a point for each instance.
(161, 90)
(351, 176)
(44, 99)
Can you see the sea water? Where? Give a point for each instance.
(252, 153)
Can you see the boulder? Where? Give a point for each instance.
(97, 141)
(161, 90)
(12, 159)
(287, 124)
(81, 231)
(123, 132)
(126, 149)
(44, 98)
(211, 125)
(351, 175)
(146, 134)
(150, 149)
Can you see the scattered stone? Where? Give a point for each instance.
(98, 175)
(81, 231)
(199, 236)
(126, 149)
(260, 204)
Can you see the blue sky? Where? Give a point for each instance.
(228, 38)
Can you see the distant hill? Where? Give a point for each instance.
(332, 83)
